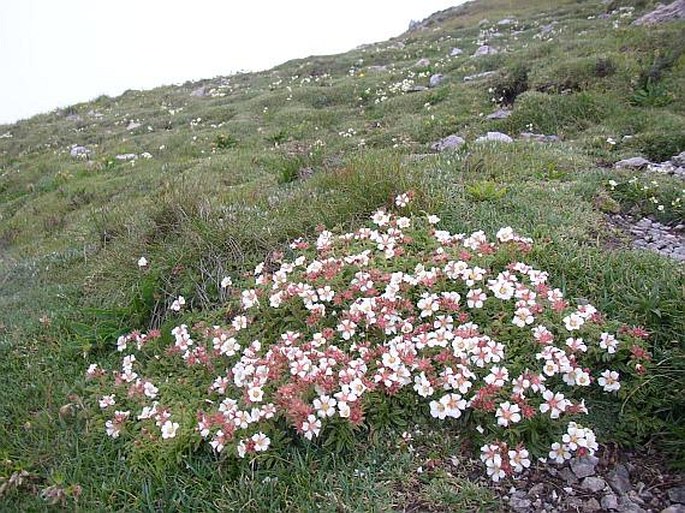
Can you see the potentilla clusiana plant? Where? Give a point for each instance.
(459, 322)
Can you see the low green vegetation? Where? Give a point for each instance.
(221, 182)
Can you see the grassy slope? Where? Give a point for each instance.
(218, 197)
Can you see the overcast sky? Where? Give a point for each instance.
(54, 53)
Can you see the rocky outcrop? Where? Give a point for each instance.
(664, 13)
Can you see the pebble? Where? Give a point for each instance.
(591, 506)
(625, 505)
(593, 484)
(423, 63)
(456, 52)
(585, 466)
(619, 479)
(677, 494)
(529, 136)
(610, 501)
(485, 50)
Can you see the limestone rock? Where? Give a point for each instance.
(632, 163)
(436, 80)
(495, 137)
(664, 13)
(449, 143)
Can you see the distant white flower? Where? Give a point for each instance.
(178, 304)
(142, 262)
(226, 282)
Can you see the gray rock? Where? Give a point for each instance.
(632, 163)
(436, 80)
(199, 92)
(479, 76)
(495, 137)
(500, 114)
(73, 117)
(584, 467)
(529, 136)
(519, 503)
(610, 502)
(80, 152)
(449, 143)
(546, 29)
(679, 160)
(675, 508)
(593, 484)
(537, 490)
(485, 50)
(664, 13)
(568, 476)
(423, 63)
(455, 52)
(677, 494)
(506, 21)
(126, 156)
(619, 479)
(625, 505)
(132, 125)
(591, 506)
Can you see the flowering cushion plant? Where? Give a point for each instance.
(459, 323)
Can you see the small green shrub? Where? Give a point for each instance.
(660, 146)
(225, 142)
(485, 190)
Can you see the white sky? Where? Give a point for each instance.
(54, 53)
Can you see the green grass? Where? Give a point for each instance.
(219, 194)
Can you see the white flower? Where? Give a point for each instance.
(169, 429)
(142, 262)
(261, 442)
(178, 304)
(226, 282)
(433, 219)
(609, 381)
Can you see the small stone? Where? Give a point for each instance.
(537, 490)
(593, 484)
(456, 52)
(478, 76)
(79, 152)
(126, 156)
(423, 63)
(451, 142)
(485, 50)
(519, 503)
(632, 163)
(495, 137)
(679, 160)
(506, 21)
(417, 89)
(675, 508)
(132, 125)
(677, 494)
(585, 466)
(625, 505)
(568, 476)
(610, 501)
(436, 80)
(591, 506)
(500, 114)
